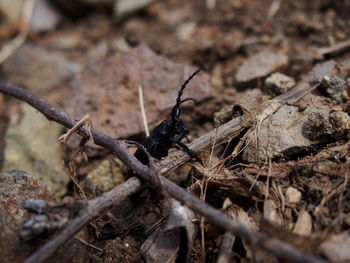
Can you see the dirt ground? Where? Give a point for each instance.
(286, 174)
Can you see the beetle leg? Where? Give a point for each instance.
(187, 150)
(178, 138)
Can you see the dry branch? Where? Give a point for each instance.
(272, 245)
(335, 50)
(94, 209)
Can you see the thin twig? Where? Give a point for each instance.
(335, 50)
(88, 244)
(277, 247)
(94, 209)
(85, 120)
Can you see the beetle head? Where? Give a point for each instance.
(175, 126)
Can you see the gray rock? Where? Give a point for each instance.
(285, 134)
(38, 69)
(321, 126)
(279, 83)
(293, 195)
(103, 178)
(45, 17)
(32, 146)
(341, 124)
(318, 126)
(259, 66)
(322, 69)
(335, 87)
(279, 134)
(336, 247)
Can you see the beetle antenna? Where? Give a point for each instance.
(176, 109)
(187, 99)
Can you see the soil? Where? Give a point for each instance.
(294, 185)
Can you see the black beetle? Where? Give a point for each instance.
(168, 133)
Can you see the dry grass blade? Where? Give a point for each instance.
(143, 112)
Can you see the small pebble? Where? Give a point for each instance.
(335, 87)
(293, 195)
(279, 83)
(336, 247)
(341, 123)
(260, 66)
(223, 116)
(317, 126)
(303, 225)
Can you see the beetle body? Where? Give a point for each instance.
(168, 133)
(162, 138)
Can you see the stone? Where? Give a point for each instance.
(32, 146)
(279, 83)
(105, 177)
(303, 226)
(293, 195)
(185, 31)
(272, 212)
(108, 90)
(279, 135)
(336, 247)
(335, 87)
(318, 126)
(341, 124)
(291, 130)
(38, 69)
(260, 66)
(322, 69)
(45, 18)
